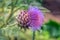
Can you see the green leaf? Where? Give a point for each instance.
(53, 28)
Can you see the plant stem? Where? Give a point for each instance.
(12, 7)
(3, 4)
(33, 38)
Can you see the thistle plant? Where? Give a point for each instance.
(32, 18)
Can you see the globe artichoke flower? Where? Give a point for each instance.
(32, 18)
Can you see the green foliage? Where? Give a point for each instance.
(53, 28)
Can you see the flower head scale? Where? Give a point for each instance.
(22, 19)
(32, 18)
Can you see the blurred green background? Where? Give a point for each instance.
(9, 30)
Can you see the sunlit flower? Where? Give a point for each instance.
(32, 18)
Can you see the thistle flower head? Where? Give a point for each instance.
(22, 19)
(32, 18)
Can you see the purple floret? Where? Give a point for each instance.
(36, 18)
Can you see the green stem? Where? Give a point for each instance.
(3, 4)
(33, 38)
(12, 7)
(16, 1)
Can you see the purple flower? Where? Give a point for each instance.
(36, 18)
(32, 18)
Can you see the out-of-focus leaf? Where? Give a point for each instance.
(53, 28)
(3, 38)
(40, 1)
(1, 32)
(1, 0)
(34, 3)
